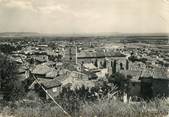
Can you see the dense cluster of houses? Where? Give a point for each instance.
(76, 66)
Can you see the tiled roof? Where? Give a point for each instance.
(89, 66)
(52, 83)
(77, 80)
(41, 69)
(156, 73)
(49, 63)
(147, 73)
(160, 73)
(134, 73)
(99, 53)
(47, 83)
(52, 74)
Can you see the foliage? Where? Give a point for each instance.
(10, 85)
(103, 108)
(134, 58)
(7, 48)
(115, 108)
(116, 77)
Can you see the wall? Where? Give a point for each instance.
(160, 87)
(54, 92)
(146, 88)
(134, 89)
(70, 54)
(111, 62)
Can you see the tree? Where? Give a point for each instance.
(11, 87)
(7, 48)
(116, 77)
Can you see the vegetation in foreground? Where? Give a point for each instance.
(101, 108)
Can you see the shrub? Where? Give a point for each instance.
(10, 85)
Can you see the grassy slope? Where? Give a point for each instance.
(102, 108)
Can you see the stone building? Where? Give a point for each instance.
(70, 55)
(154, 83)
(114, 61)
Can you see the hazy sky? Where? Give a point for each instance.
(84, 16)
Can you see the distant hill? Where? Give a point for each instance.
(115, 34)
(18, 34)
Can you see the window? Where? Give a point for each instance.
(111, 64)
(121, 66)
(54, 89)
(100, 62)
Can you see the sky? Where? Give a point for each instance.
(84, 16)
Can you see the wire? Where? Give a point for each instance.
(35, 78)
